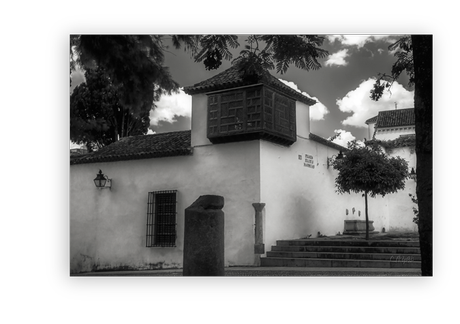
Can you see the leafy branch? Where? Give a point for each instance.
(402, 141)
(405, 62)
(415, 210)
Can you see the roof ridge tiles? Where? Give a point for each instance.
(231, 77)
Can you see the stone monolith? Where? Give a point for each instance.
(204, 237)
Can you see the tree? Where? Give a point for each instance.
(96, 116)
(368, 170)
(134, 64)
(415, 56)
(423, 71)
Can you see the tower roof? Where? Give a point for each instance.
(371, 120)
(232, 78)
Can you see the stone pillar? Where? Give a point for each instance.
(259, 247)
(204, 237)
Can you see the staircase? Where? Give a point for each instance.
(345, 253)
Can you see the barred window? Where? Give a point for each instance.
(161, 219)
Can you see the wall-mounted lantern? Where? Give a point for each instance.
(331, 159)
(102, 181)
(413, 175)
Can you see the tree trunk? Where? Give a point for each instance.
(367, 216)
(423, 69)
(122, 122)
(115, 130)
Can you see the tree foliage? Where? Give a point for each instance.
(134, 64)
(402, 141)
(405, 63)
(367, 169)
(97, 117)
(414, 199)
(280, 51)
(215, 48)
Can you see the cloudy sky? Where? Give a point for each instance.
(341, 87)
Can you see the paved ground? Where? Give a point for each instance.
(269, 272)
(289, 271)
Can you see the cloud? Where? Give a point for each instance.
(77, 77)
(318, 110)
(337, 58)
(177, 104)
(362, 107)
(343, 137)
(356, 40)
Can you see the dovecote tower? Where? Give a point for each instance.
(239, 110)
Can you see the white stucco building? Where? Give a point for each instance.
(249, 142)
(396, 131)
(391, 124)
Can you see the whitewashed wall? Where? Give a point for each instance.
(391, 133)
(299, 190)
(400, 205)
(108, 227)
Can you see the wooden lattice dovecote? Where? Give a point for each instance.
(241, 109)
(257, 112)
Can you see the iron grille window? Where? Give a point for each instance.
(161, 219)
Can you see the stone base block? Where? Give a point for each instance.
(358, 227)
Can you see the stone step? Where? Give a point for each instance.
(346, 249)
(337, 242)
(342, 255)
(344, 263)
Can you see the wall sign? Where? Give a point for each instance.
(309, 161)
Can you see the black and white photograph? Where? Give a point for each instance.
(250, 155)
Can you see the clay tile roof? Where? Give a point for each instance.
(141, 147)
(326, 142)
(397, 117)
(231, 78)
(371, 120)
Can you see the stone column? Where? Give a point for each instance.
(204, 237)
(259, 247)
